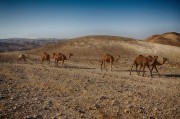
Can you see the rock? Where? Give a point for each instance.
(104, 97)
(114, 102)
(38, 116)
(33, 117)
(54, 118)
(1, 97)
(92, 108)
(141, 109)
(95, 107)
(81, 111)
(126, 110)
(83, 116)
(29, 117)
(47, 105)
(12, 98)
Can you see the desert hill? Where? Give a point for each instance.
(92, 47)
(79, 89)
(169, 38)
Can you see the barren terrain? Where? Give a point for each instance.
(35, 90)
(169, 38)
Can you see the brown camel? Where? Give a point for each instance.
(143, 62)
(22, 57)
(60, 57)
(45, 56)
(108, 58)
(156, 62)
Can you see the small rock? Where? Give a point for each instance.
(126, 110)
(81, 111)
(28, 117)
(54, 118)
(39, 117)
(114, 102)
(1, 97)
(104, 97)
(83, 116)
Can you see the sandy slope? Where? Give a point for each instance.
(169, 38)
(81, 90)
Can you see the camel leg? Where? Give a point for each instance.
(111, 65)
(139, 70)
(157, 71)
(57, 63)
(131, 69)
(19, 59)
(42, 61)
(49, 61)
(150, 71)
(101, 65)
(152, 68)
(62, 62)
(136, 69)
(143, 70)
(104, 64)
(25, 59)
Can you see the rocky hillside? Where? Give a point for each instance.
(169, 38)
(14, 44)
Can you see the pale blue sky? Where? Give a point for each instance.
(74, 18)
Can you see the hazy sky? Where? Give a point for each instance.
(73, 18)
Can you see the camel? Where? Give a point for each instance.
(108, 58)
(22, 57)
(45, 56)
(143, 62)
(60, 57)
(156, 62)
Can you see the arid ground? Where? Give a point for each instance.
(35, 90)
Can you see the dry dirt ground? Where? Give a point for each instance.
(31, 90)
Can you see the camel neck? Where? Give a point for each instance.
(158, 63)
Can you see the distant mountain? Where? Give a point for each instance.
(169, 38)
(13, 44)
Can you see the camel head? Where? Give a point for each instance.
(53, 55)
(165, 59)
(156, 57)
(27, 56)
(70, 55)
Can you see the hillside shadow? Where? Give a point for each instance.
(172, 75)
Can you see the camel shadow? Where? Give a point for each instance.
(77, 67)
(128, 71)
(172, 75)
